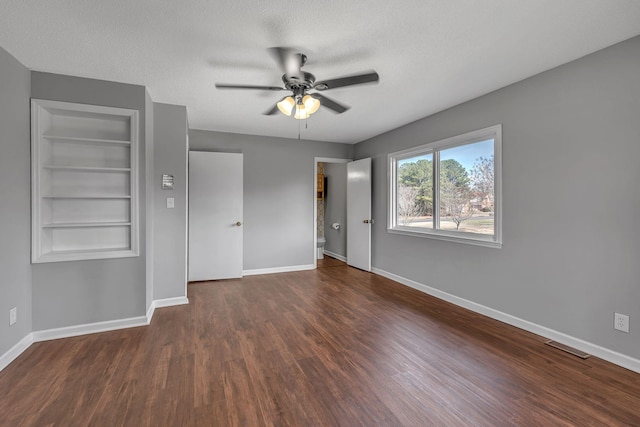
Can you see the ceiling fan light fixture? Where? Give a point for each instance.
(311, 104)
(286, 105)
(301, 112)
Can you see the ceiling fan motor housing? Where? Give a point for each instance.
(302, 81)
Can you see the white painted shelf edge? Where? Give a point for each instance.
(86, 140)
(76, 255)
(84, 196)
(86, 168)
(85, 224)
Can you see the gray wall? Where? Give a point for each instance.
(170, 145)
(335, 209)
(15, 178)
(79, 292)
(571, 147)
(278, 193)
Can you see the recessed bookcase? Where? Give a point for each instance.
(84, 171)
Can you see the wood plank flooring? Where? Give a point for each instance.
(329, 347)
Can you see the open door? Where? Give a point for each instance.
(359, 214)
(215, 215)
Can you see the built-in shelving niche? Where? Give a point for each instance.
(84, 181)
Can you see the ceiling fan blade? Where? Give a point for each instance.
(289, 60)
(273, 110)
(330, 103)
(370, 77)
(230, 86)
(281, 56)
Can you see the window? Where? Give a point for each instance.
(449, 189)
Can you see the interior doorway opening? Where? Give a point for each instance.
(329, 208)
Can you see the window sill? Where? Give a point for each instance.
(468, 239)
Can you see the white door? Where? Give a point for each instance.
(359, 214)
(215, 215)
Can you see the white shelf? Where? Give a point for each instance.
(85, 224)
(85, 196)
(86, 168)
(86, 140)
(81, 251)
(84, 182)
(74, 255)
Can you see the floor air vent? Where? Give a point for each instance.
(570, 350)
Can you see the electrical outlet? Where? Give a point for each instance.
(13, 316)
(621, 322)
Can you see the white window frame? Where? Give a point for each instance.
(434, 148)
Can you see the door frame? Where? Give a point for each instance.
(315, 199)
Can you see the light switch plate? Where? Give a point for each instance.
(13, 316)
(171, 203)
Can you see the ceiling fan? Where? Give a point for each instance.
(305, 96)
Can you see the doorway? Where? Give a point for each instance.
(326, 193)
(359, 221)
(356, 226)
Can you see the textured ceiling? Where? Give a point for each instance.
(430, 54)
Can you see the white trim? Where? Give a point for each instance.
(335, 255)
(165, 302)
(315, 212)
(89, 328)
(454, 141)
(332, 160)
(272, 270)
(170, 302)
(15, 351)
(446, 237)
(150, 311)
(593, 349)
(186, 212)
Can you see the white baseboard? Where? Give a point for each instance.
(15, 351)
(287, 269)
(169, 302)
(89, 328)
(336, 256)
(593, 349)
(150, 311)
(165, 302)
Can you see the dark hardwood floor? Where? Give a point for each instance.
(329, 347)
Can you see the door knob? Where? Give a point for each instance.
(368, 221)
(238, 223)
